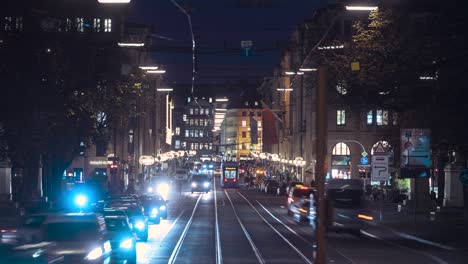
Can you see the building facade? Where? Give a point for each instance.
(199, 124)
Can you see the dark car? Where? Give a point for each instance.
(348, 207)
(296, 194)
(271, 187)
(136, 215)
(155, 207)
(78, 237)
(40, 253)
(200, 183)
(122, 238)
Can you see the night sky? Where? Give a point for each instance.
(219, 27)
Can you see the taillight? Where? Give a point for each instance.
(225, 180)
(291, 200)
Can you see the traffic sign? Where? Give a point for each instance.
(246, 46)
(364, 160)
(415, 148)
(379, 149)
(364, 154)
(464, 176)
(379, 168)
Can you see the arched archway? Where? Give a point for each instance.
(341, 161)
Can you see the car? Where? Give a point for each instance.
(293, 184)
(349, 211)
(271, 187)
(78, 237)
(200, 183)
(122, 239)
(301, 210)
(113, 212)
(30, 229)
(136, 215)
(155, 207)
(296, 194)
(38, 253)
(181, 174)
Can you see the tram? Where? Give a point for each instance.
(229, 175)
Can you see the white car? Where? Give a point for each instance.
(181, 175)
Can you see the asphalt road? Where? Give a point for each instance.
(246, 226)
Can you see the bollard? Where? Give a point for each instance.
(438, 209)
(399, 208)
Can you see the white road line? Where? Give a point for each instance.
(172, 225)
(219, 255)
(432, 257)
(277, 232)
(301, 237)
(246, 233)
(176, 250)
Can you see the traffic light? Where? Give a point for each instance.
(362, 173)
(82, 149)
(251, 147)
(113, 169)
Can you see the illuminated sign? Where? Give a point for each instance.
(230, 168)
(146, 160)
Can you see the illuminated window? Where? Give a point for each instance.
(79, 24)
(395, 119)
(195, 146)
(201, 133)
(19, 24)
(244, 134)
(191, 122)
(186, 133)
(341, 149)
(191, 111)
(244, 123)
(107, 25)
(8, 23)
(382, 117)
(341, 88)
(188, 99)
(259, 123)
(370, 117)
(191, 133)
(211, 146)
(340, 117)
(177, 131)
(177, 144)
(201, 122)
(196, 122)
(196, 111)
(97, 25)
(184, 118)
(68, 24)
(256, 103)
(195, 134)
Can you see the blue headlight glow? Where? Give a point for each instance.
(140, 225)
(211, 166)
(162, 207)
(154, 211)
(81, 200)
(194, 184)
(128, 243)
(206, 184)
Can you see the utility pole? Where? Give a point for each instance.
(321, 150)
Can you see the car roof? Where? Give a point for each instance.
(73, 217)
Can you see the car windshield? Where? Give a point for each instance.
(199, 178)
(117, 225)
(71, 231)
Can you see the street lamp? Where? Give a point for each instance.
(130, 44)
(145, 68)
(156, 71)
(284, 89)
(114, 1)
(307, 69)
(164, 89)
(361, 8)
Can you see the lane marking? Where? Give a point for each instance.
(277, 232)
(432, 257)
(176, 250)
(219, 255)
(246, 233)
(172, 225)
(301, 237)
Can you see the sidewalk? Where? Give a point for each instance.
(449, 228)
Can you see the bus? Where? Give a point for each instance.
(229, 175)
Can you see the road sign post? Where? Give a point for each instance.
(246, 46)
(380, 168)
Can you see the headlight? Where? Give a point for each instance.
(128, 244)
(206, 184)
(194, 184)
(81, 200)
(154, 211)
(150, 189)
(162, 207)
(94, 254)
(140, 225)
(163, 188)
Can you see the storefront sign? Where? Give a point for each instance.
(98, 162)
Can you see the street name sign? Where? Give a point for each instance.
(379, 168)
